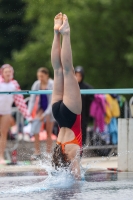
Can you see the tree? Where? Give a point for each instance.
(13, 30)
(101, 35)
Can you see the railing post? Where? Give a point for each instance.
(125, 144)
(130, 146)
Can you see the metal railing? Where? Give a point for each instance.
(15, 144)
(82, 91)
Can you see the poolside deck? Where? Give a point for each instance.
(93, 164)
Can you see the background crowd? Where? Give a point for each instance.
(98, 111)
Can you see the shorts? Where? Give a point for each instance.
(35, 126)
(52, 119)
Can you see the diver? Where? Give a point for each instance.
(66, 110)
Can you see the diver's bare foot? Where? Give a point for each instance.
(65, 28)
(58, 20)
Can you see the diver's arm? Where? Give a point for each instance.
(74, 156)
(75, 168)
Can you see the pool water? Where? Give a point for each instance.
(96, 185)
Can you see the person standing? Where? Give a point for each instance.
(43, 111)
(7, 83)
(86, 101)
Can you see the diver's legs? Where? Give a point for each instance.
(72, 96)
(56, 61)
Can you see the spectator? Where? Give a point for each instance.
(86, 101)
(7, 83)
(43, 112)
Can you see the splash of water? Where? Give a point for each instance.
(55, 179)
(61, 179)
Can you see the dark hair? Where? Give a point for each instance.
(43, 70)
(59, 159)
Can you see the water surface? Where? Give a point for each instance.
(96, 185)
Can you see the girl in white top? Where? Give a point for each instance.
(7, 83)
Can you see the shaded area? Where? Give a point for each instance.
(101, 176)
(21, 174)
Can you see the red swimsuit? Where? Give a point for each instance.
(66, 118)
(77, 132)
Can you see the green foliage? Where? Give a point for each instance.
(101, 36)
(12, 29)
